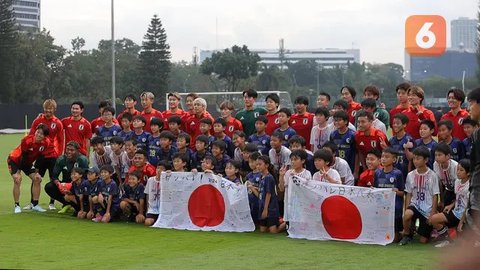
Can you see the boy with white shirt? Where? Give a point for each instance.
(323, 159)
(320, 134)
(446, 170)
(152, 192)
(340, 165)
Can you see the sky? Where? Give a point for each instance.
(376, 27)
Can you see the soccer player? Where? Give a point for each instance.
(400, 141)
(192, 124)
(370, 105)
(402, 96)
(340, 105)
(239, 140)
(218, 153)
(74, 194)
(226, 110)
(108, 198)
(77, 128)
(446, 170)
(285, 129)
(139, 134)
(21, 159)
(372, 91)
(189, 103)
(109, 129)
(175, 126)
(248, 114)
(297, 142)
(167, 150)
(260, 138)
(340, 165)
(272, 102)
(219, 126)
(183, 146)
(119, 158)
(368, 137)
(91, 189)
(148, 113)
(99, 121)
(252, 180)
(232, 171)
(348, 94)
(455, 99)
(416, 112)
(422, 190)
(469, 127)
(201, 151)
(344, 138)
(179, 162)
(279, 154)
(392, 178)
(127, 126)
(154, 141)
(426, 132)
(302, 121)
(101, 154)
(129, 102)
(130, 149)
(153, 192)
(174, 109)
(373, 162)
(320, 133)
(141, 165)
(323, 159)
(323, 100)
(445, 130)
(133, 199)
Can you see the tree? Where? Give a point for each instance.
(154, 67)
(8, 41)
(77, 44)
(232, 65)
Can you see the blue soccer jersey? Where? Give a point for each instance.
(167, 155)
(262, 142)
(254, 179)
(431, 146)
(111, 189)
(79, 189)
(153, 149)
(125, 135)
(93, 188)
(458, 149)
(134, 193)
(142, 140)
(220, 164)
(402, 161)
(392, 179)
(108, 132)
(287, 134)
(267, 185)
(467, 145)
(197, 158)
(346, 146)
(227, 140)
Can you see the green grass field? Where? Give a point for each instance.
(53, 241)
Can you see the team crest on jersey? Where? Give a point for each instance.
(376, 114)
(264, 142)
(373, 144)
(460, 121)
(231, 128)
(53, 125)
(193, 123)
(362, 144)
(277, 121)
(286, 137)
(144, 139)
(348, 140)
(41, 148)
(158, 142)
(392, 179)
(454, 150)
(305, 121)
(80, 127)
(114, 133)
(76, 165)
(294, 122)
(354, 113)
(256, 114)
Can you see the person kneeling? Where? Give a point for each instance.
(133, 199)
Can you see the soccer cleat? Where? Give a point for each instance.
(38, 208)
(65, 209)
(28, 206)
(442, 244)
(52, 207)
(18, 209)
(405, 240)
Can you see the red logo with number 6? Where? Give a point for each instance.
(425, 35)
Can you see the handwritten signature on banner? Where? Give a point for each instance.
(202, 178)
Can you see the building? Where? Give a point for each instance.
(464, 34)
(27, 14)
(327, 58)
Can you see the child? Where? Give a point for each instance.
(252, 179)
(182, 145)
(174, 126)
(142, 137)
(260, 138)
(232, 171)
(302, 121)
(368, 137)
(249, 149)
(323, 159)
(279, 154)
(141, 165)
(201, 152)
(208, 165)
(107, 199)
(340, 105)
(205, 127)
(268, 211)
(75, 196)
(152, 193)
(297, 142)
(400, 141)
(133, 199)
(422, 190)
(218, 153)
(340, 165)
(453, 214)
(110, 129)
(91, 189)
(130, 149)
(272, 102)
(427, 127)
(126, 123)
(297, 164)
(154, 141)
(119, 158)
(320, 133)
(101, 154)
(239, 140)
(166, 151)
(179, 162)
(446, 170)
(284, 115)
(226, 110)
(219, 126)
(392, 178)
(344, 138)
(445, 135)
(469, 126)
(370, 105)
(373, 161)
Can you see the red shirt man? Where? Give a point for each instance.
(147, 99)
(416, 112)
(367, 137)
(55, 128)
(192, 124)
(173, 108)
(130, 101)
(402, 96)
(30, 148)
(455, 99)
(302, 122)
(272, 102)
(141, 165)
(77, 128)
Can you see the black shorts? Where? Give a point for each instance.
(398, 224)
(269, 222)
(424, 229)
(452, 220)
(13, 168)
(154, 216)
(448, 196)
(43, 164)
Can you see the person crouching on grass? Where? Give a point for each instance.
(133, 199)
(76, 195)
(107, 199)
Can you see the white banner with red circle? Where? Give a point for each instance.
(323, 211)
(206, 202)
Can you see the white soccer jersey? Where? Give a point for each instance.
(422, 187)
(120, 163)
(98, 161)
(446, 176)
(332, 173)
(281, 158)
(152, 189)
(461, 194)
(319, 136)
(342, 167)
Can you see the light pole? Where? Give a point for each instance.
(185, 82)
(113, 58)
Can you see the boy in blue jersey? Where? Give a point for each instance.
(344, 138)
(205, 129)
(174, 126)
(154, 141)
(392, 178)
(107, 197)
(219, 126)
(469, 126)
(218, 153)
(260, 138)
(297, 142)
(284, 115)
(252, 179)
(91, 189)
(110, 129)
(126, 123)
(182, 145)
(427, 127)
(201, 152)
(167, 150)
(75, 196)
(400, 141)
(133, 199)
(142, 137)
(445, 135)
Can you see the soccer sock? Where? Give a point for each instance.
(34, 202)
(443, 231)
(52, 201)
(17, 204)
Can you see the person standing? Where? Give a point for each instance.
(455, 99)
(249, 114)
(77, 128)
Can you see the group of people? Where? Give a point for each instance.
(110, 167)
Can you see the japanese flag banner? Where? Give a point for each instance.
(323, 211)
(206, 202)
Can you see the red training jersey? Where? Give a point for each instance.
(414, 120)
(28, 149)
(365, 143)
(233, 124)
(272, 124)
(149, 116)
(457, 121)
(55, 135)
(366, 178)
(98, 122)
(302, 124)
(353, 107)
(393, 111)
(119, 117)
(146, 172)
(167, 114)
(192, 126)
(78, 131)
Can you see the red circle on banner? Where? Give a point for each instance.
(341, 218)
(206, 206)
